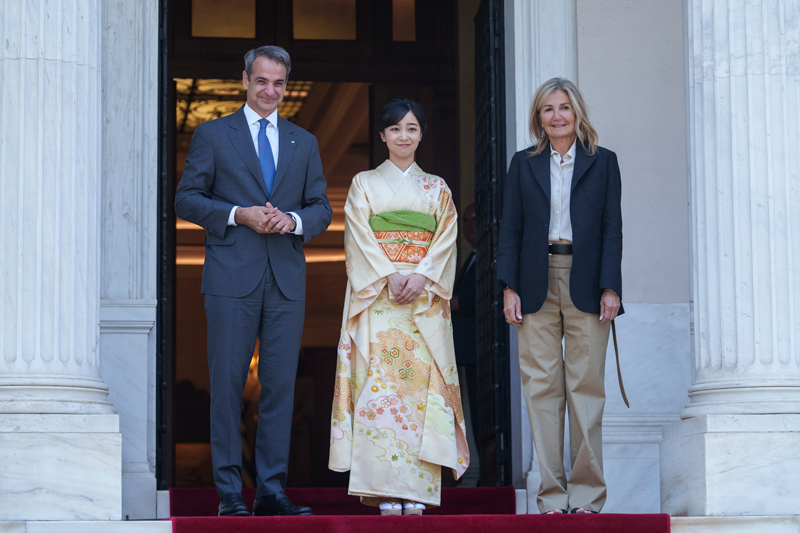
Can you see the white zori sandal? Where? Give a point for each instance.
(413, 508)
(390, 508)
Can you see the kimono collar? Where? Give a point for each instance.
(394, 176)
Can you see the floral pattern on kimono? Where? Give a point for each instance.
(397, 415)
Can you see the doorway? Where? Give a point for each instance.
(348, 58)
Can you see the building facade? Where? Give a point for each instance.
(700, 100)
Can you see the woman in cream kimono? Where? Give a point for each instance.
(397, 416)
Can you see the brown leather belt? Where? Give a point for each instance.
(619, 370)
(559, 249)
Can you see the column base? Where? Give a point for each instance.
(763, 395)
(735, 465)
(60, 467)
(35, 393)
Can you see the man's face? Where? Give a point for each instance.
(265, 86)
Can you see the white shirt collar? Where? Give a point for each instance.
(570, 155)
(252, 117)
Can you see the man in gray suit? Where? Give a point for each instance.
(254, 181)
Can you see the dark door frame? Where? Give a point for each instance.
(165, 316)
(373, 57)
(494, 362)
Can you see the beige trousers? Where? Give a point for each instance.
(551, 381)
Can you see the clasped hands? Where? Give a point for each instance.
(512, 307)
(406, 289)
(266, 219)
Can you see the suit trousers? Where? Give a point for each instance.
(233, 326)
(552, 381)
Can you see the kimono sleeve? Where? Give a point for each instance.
(367, 265)
(439, 265)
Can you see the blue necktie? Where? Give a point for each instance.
(265, 156)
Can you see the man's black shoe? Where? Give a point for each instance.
(278, 505)
(231, 504)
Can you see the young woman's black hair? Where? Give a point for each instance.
(395, 109)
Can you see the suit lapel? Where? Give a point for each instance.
(582, 163)
(242, 140)
(540, 165)
(287, 144)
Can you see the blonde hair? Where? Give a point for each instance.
(583, 128)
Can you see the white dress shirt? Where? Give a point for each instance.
(560, 188)
(254, 122)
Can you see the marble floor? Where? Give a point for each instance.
(735, 524)
(132, 526)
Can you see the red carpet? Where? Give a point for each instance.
(602, 523)
(482, 500)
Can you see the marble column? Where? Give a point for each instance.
(736, 450)
(59, 434)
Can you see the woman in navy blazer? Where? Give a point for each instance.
(559, 266)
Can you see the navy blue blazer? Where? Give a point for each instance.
(222, 171)
(595, 210)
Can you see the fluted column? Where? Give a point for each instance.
(59, 435)
(744, 111)
(735, 452)
(49, 203)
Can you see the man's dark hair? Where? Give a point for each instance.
(275, 53)
(395, 109)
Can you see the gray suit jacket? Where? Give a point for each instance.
(222, 171)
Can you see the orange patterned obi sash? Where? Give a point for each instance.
(405, 246)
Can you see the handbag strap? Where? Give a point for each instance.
(619, 370)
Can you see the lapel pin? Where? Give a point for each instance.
(292, 142)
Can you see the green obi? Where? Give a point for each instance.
(402, 220)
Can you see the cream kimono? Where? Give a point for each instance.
(397, 416)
